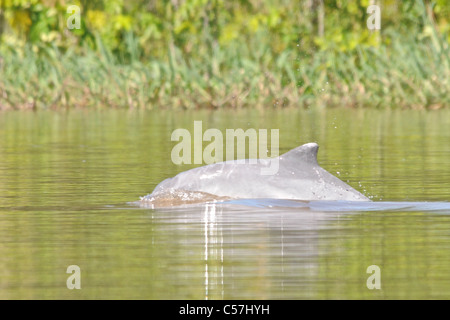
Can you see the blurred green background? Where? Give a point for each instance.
(215, 53)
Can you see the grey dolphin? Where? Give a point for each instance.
(299, 177)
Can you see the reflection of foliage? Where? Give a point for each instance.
(59, 170)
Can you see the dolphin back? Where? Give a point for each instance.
(299, 177)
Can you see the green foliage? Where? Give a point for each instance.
(196, 25)
(212, 53)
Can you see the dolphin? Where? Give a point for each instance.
(299, 177)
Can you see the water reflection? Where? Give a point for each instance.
(64, 194)
(275, 248)
(292, 249)
(213, 250)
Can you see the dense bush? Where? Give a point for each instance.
(195, 53)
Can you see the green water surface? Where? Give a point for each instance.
(66, 180)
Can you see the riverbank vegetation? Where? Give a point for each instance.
(219, 54)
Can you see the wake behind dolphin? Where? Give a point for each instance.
(299, 177)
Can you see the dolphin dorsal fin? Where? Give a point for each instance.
(306, 153)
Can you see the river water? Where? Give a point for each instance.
(69, 182)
